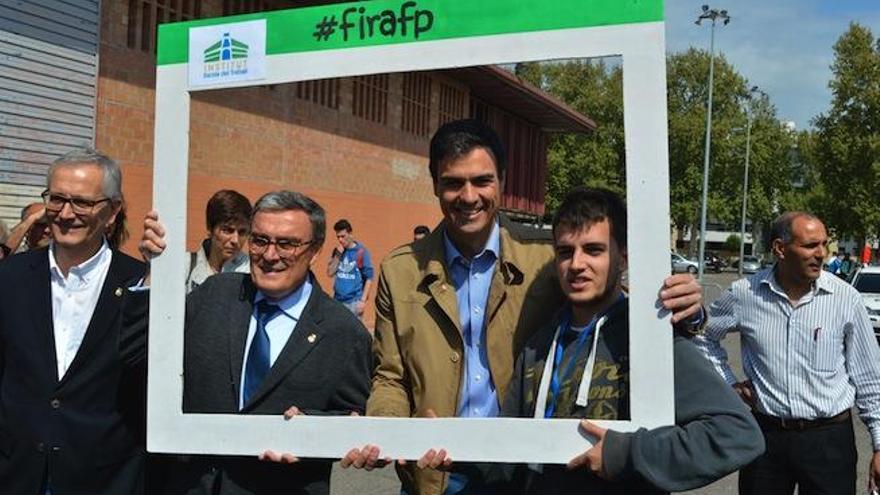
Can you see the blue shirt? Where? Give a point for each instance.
(472, 279)
(354, 269)
(279, 328)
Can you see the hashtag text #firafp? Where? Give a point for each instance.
(358, 23)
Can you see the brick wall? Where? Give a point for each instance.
(259, 139)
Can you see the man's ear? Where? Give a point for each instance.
(778, 248)
(116, 207)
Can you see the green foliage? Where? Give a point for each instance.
(847, 144)
(594, 88)
(731, 243)
(687, 90)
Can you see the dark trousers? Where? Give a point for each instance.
(820, 461)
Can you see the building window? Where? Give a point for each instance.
(324, 92)
(453, 103)
(370, 98)
(416, 104)
(144, 17)
(233, 7)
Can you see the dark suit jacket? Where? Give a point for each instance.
(86, 430)
(323, 369)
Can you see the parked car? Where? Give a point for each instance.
(713, 262)
(867, 282)
(680, 264)
(751, 264)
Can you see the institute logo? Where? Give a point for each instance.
(227, 57)
(226, 49)
(227, 53)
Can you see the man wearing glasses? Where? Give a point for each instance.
(71, 384)
(289, 346)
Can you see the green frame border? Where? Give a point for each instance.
(291, 31)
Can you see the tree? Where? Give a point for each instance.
(594, 88)
(731, 243)
(687, 96)
(848, 138)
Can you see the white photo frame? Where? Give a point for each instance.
(635, 32)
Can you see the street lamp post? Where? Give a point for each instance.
(742, 229)
(713, 15)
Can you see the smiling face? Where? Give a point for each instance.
(81, 233)
(589, 265)
(800, 261)
(278, 274)
(469, 191)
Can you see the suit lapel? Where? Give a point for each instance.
(306, 336)
(106, 310)
(240, 320)
(434, 276)
(41, 288)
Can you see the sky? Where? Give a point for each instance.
(785, 47)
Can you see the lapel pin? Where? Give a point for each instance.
(312, 338)
(118, 291)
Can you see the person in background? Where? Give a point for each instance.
(847, 267)
(834, 264)
(352, 270)
(32, 230)
(808, 355)
(227, 216)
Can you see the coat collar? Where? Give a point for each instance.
(434, 278)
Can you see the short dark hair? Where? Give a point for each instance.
(782, 226)
(225, 206)
(421, 229)
(342, 225)
(458, 138)
(294, 201)
(585, 206)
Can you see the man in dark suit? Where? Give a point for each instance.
(266, 343)
(71, 382)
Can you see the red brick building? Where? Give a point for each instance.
(357, 145)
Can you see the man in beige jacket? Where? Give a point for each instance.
(454, 309)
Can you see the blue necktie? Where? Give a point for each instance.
(258, 365)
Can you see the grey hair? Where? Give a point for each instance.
(782, 226)
(292, 200)
(112, 175)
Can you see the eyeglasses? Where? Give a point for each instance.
(81, 206)
(286, 248)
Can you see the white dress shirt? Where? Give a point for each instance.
(74, 298)
(279, 329)
(808, 360)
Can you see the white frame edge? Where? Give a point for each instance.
(642, 47)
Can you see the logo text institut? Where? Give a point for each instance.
(227, 57)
